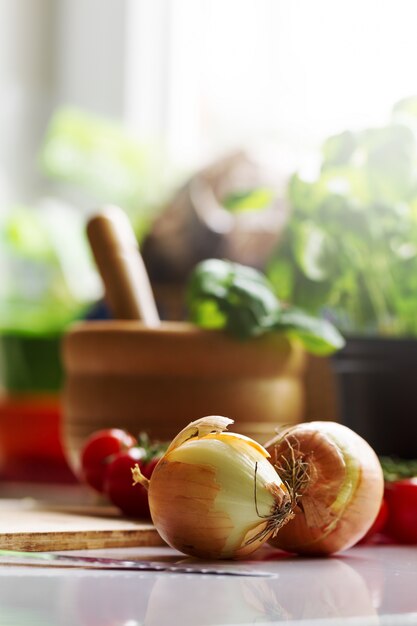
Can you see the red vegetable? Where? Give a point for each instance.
(118, 484)
(379, 524)
(401, 497)
(98, 451)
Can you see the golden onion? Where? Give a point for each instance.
(214, 494)
(338, 484)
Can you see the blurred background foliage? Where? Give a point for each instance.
(104, 162)
(348, 250)
(47, 276)
(350, 247)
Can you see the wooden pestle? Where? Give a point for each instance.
(116, 252)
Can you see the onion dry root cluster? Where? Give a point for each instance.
(339, 484)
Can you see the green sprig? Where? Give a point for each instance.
(240, 300)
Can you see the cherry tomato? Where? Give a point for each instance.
(131, 499)
(98, 451)
(401, 497)
(379, 524)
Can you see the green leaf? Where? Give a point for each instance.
(103, 158)
(338, 149)
(248, 200)
(318, 336)
(209, 279)
(304, 196)
(240, 300)
(222, 294)
(349, 245)
(313, 251)
(23, 233)
(391, 163)
(47, 277)
(281, 274)
(206, 313)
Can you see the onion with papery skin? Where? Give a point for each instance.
(338, 484)
(214, 494)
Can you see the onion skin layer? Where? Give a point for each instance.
(343, 495)
(197, 512)
(204, 535)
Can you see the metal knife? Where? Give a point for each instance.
(14, 557)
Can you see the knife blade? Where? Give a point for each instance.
(14, 557)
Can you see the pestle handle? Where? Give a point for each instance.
(116, 252)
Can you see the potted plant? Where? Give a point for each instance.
(350, 253)
(47, 281)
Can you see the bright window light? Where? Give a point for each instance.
(273, 71)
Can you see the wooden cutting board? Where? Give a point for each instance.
(30, 526)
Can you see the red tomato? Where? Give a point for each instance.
(131, 499)
(401, 497)
(379, 524)
(98, 451)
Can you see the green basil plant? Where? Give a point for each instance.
(350, 247)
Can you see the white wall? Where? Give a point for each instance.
(52, 53)
(203, 74)
(90, 49)
(26, 91)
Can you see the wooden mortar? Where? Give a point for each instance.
(126, 375)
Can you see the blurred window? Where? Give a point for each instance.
(234, 71)
(202, 76)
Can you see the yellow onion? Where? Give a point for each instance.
(214, 494)
(338, 485)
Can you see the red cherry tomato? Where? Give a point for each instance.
(401, 497)
(98, 451)
(131, 499)
(379, 524)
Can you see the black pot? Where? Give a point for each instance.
(377, 386)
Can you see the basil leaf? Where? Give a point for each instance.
(240, 300)
(318, 336)
(222, 294)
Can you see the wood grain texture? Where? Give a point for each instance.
(122, 374)
(116, 252)
(26, 525)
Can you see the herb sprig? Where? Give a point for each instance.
(240, 300)
(396, 469)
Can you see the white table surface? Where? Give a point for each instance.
(366, 585)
